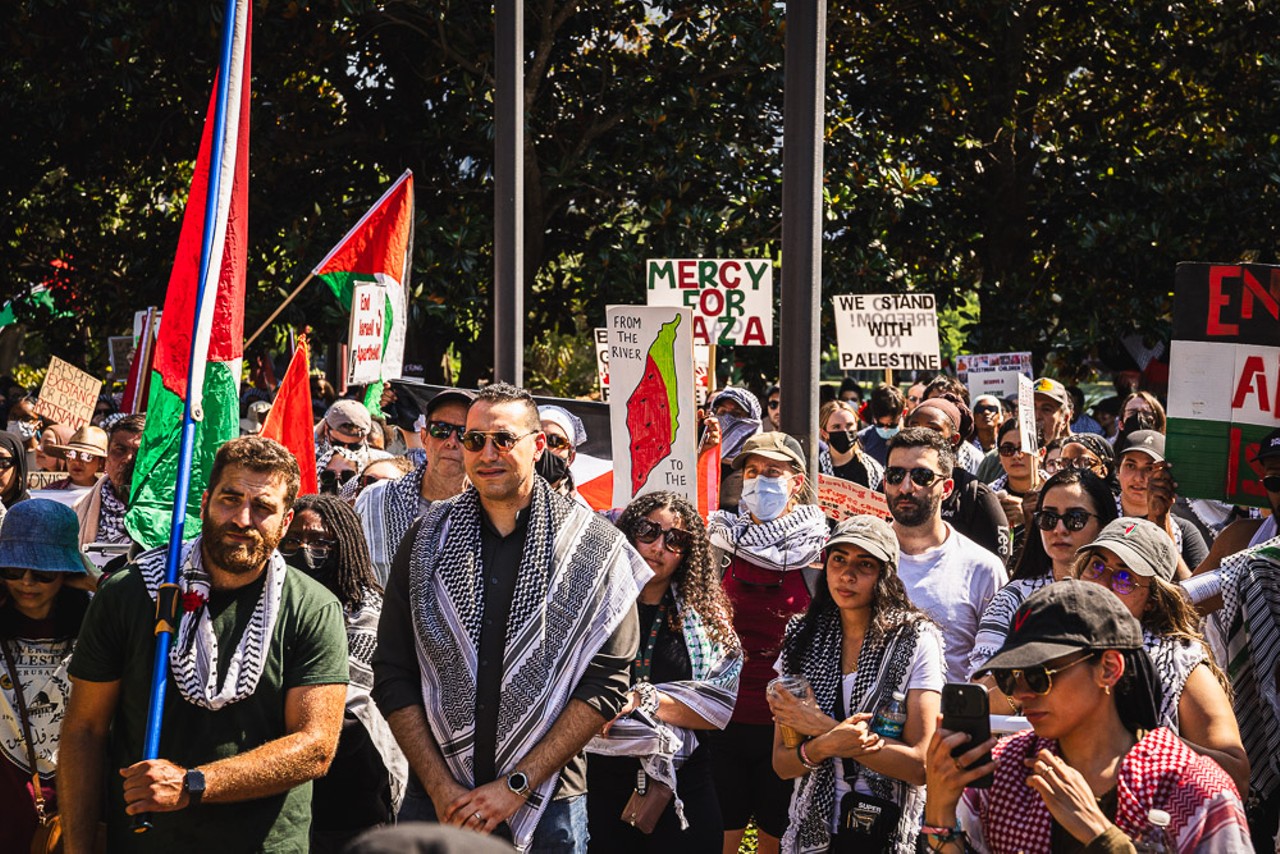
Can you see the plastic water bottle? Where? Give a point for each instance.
(891, 718)
(1155, 839)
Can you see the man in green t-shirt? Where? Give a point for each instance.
(256, 687)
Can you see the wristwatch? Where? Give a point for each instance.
(193, 785)
(518, 782)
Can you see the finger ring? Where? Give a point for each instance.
(479, 816)
(959, 767)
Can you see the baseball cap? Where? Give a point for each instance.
(42, 535)
(1143, 546)
(875, 536)
(1269, 446)
(1064, 617)
(1149, 442)
(450, 395)
(1053, 389)
(771, 446)
(349, 416)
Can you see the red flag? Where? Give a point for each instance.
(709, 481)
(290, 422)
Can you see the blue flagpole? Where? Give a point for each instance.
(167, 598)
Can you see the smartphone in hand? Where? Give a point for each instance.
(965, 708)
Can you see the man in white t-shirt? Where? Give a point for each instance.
(947, 575)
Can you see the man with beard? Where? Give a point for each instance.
(257, 682)
(947, 575)
(101, 510)
(387, 509)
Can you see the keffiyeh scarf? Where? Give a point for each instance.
(194, 656)
(361, 458)
(362, 640)
(1173, 658)
(387, 511)
(882, 669)
(577, 581)
(111, 515)
(792, 541)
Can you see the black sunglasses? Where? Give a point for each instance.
(556, 442)
(1008, 449)
(6, 463)
(15, 573)
(985, 410)
(331, 480)
(442, 430)
(504, 440)
(1075, 520)
(673, 539)
(1039, 679)
(318, 549)
(919, 476)
(1271, 483)
(350, 446)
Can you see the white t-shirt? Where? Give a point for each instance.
(925, 673)
(953, 584)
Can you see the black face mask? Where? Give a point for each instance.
(552, 468)
(304, 562)
(841, 441)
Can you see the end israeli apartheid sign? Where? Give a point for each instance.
(887, 331)
(732, 299)
(368, 314)
(1224, 378)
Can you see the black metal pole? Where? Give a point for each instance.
(804, 75)
(508, 194)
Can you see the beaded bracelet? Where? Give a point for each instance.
(944, 835)
(804, 757)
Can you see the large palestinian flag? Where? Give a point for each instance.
(216, 321)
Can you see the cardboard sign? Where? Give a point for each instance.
(68, 395)
(1027, 414)
(993, 373)
(840, 499)
(653, 420)
(602, 361)
(887, 331)
(1224, 378)
(44, 479)
(120, 351)
(368, 314)
(731, 300)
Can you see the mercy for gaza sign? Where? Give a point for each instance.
(1224, 378)
(732, 300)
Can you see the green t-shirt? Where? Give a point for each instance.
(308, 647)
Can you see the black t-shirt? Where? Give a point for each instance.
(973, 510)
(670, 656)
(853, 471)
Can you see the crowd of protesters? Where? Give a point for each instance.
(448, 637)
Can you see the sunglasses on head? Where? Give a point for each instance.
(1008, 449)
(504, 440)
(1075, 520)
(555, 442)
(337, 443)
(15, 573)
(919, 476)
(443, 429)
(1122, 580)
(1271, 483)
(673, 539)
(1039, 680)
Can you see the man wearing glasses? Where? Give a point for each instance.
(507, 633)
(387, 509)
(947, 575)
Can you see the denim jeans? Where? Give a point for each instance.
(561, 830)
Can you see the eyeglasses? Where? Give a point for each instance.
(919, 476)
(368, 479)
(1008, 449)
(1271, 483)
(1075, 520)
(15, 573)
(673, 539)
(555, 442)
(985, 410)
(504, 440)
(1039, 680)
(318, 549)
(86, 456)
(442, 430)
(350, 446)
(1122, 583)
(1082, 463)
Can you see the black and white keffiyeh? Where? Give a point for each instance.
(1173, 658)
(360, 458)
(362, 640)
(193, 658)
(577, 581)
(110, 515)
(387, 511)
(883, 663)
(792, 541)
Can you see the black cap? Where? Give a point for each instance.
(1064, 617)
(1149, 442)
(1269, 446)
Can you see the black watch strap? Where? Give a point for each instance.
(193, 785)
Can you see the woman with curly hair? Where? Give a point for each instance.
(684, 679)
(365, 783)
(861, 645)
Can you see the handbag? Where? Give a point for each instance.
(647, 803)
(48, 835)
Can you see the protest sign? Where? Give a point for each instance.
(887, 331)
(68, 394)
(120, 352)
(701, 373)
(840, 499)
(1224, 378)
(993, 373)
(1027, 414)
(368, 313)
(602, 361)
(44, 479)
(731, 299)
(653, 421)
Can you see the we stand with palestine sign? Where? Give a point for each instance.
(1224, 378)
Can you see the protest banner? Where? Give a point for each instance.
(701, 373)
(368, 312)
(1027, 414)
(602, 361)
(887, 332)
(68, 394)
(653, 421)
(120, 352)
(993, 373)
(840, 499)
(731, 299)
(1224, 378)
(44, 479)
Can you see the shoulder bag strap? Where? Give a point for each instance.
(36, 788)
(889, 649)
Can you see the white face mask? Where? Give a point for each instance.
(887, 433)
(25, 429)
(766, 498)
